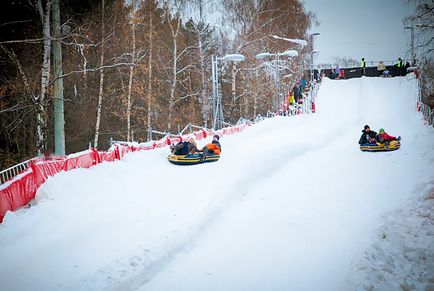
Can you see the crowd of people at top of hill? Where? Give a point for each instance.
(337, 73)
(398, 69)
(295, 98)
(295, 95)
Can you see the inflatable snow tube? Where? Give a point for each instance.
(380, 147)
(193, 159)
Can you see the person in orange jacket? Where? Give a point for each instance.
(214, 147)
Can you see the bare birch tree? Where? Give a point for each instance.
(149, 93)
(41, 116)
(174, 29)
(101, 77)
(423, 23)
(202, 31)
(130, 79)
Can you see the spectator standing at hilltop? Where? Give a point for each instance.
(363, 66)
(381, 68)
(399, 63)
(407, 65)
(399, 67)
(337, 70)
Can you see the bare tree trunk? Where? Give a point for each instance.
(101, 78)
(41, 122)
(203, 93)
(174, 70)
(151, 29)
(130, 81)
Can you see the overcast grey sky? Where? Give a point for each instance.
(372, 29)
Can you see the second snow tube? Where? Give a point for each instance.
(193, 159)
(380, 147)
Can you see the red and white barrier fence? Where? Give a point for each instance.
(20, 190)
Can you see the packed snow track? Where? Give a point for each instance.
(293, 204)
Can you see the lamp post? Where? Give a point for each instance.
(301, 42)
(217, 101)
(288, 53)
(413, 54)
(312, 67)
(311, 54)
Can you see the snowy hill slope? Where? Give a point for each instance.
(289, 206)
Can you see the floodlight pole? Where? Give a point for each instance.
(277, 74)
(311, 67)
(217, 112)
(312, 74)
(218, 118)
(290, 53)
(413, 54)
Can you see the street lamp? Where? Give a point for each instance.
(312, 67)
(233, 57)
(301, 42)
(217, 100)
(413, 54)
(311, 54)
(288, 53)
(263, 55)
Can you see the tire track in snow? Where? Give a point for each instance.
(136, 269)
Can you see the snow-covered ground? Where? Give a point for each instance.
(293, 204)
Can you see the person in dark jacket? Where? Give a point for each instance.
(407, 65)
(368, 135)
(181, 148)
(297, 92)
(185, 147)
(212, 148)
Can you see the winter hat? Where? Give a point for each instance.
(216, 137)
(381, 130)
(366, 126)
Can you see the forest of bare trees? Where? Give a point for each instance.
(127, 66)
(423, 25)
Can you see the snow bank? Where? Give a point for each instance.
(401, 256)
